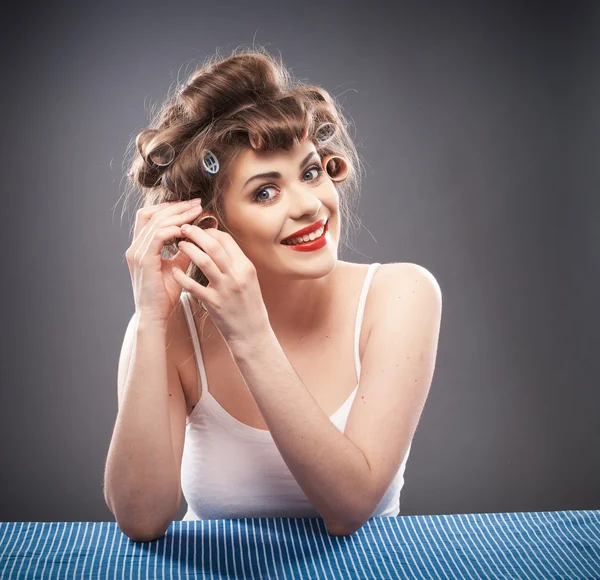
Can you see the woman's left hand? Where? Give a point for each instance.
(233, 297)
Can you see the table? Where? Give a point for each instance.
(561, 544)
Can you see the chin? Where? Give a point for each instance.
(308, 269)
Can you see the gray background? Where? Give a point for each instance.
(478, 123)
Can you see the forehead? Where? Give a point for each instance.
(250, 162)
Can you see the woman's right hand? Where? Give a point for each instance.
(156, 292)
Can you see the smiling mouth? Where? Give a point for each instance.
(307, 237)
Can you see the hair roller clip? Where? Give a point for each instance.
(210, 163)
(207, 216)
(304, 134)
(162, 155)
(325, 133)
(204, 226)
(256, 142)
(339, 167)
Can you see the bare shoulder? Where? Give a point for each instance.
(386, 276)
(387, 280)
(396, 276)
(405, 271)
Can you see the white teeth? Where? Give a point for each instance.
(306, 238)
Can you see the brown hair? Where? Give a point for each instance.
(223, 102)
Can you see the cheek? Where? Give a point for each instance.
(332, 198)
(255, 231)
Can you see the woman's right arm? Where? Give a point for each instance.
(143, 468)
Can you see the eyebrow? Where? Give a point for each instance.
(276, 174)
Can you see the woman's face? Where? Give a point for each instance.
(262, 211)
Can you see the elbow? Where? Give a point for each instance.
(144, 531)
(147, 529)
(352, 522)
(146, 537)
(344, 529)
(141, 534)
(334, 530)
(338, 531)
(349, 525)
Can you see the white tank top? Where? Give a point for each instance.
(231, 470)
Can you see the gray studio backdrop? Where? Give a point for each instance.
(478, 124)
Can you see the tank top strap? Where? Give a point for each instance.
(185, 298)
(360, 314)
(187, 308)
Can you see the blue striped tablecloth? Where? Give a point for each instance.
(562, 544)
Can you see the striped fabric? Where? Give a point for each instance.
(562, 544)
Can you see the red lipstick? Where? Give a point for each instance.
(306, 230)
(310, 246)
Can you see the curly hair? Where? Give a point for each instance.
(223, 102)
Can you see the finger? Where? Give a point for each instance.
(227, 242)
(202, 293)
(158, 223)
(181, 260)
(157, 240)
(145, 214)
(177, 215)
(209, 245)
(203, 260)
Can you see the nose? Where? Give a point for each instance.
(304, 201)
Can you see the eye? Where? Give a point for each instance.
(315, 168)
(262, 190)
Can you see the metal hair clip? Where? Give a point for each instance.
(325, 133)
(210, 163)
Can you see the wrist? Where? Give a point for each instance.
(150, 323)
(249, 345)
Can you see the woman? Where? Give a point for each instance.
(239, 372)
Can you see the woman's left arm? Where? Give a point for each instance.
(331, 470)
(344, 475)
